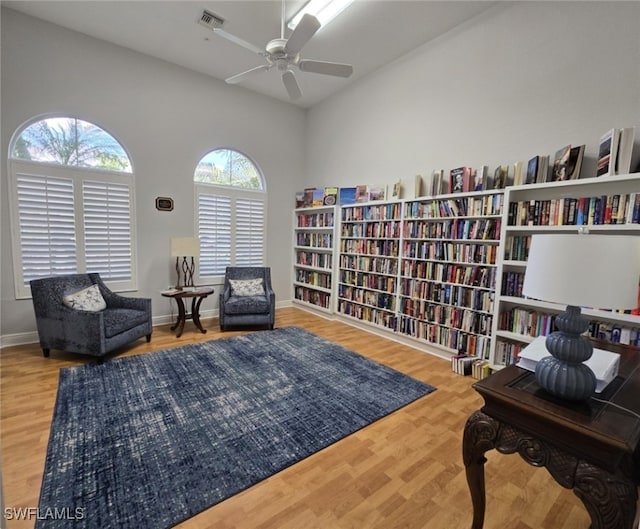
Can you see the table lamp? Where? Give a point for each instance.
(578, 270)
(185, 249)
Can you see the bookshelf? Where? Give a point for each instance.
(423, 269)
(313, 260)
(368, 263)
(603, 205)
(448, 270)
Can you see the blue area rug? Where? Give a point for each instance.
(148, 441)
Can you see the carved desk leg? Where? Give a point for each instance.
(611, 500)
(480, 434)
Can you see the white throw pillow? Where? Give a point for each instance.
(246, 287)
(86, 299)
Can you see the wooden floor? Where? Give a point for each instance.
(403, 471)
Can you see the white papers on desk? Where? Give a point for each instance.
(603, 363)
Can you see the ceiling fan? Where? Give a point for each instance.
(284, 54)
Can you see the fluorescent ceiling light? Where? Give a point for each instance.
(324, 10)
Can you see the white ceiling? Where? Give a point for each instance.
(368, 34)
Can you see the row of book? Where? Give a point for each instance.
(615, 156)
(512, 283)
(372, 212)
(507, 352)
(367, 314)
(461, 296)
(442, 293)
(449, 316)
(316, 260)
(380, 265)
(468, 275)
(316, 279)
(314, 297)
(385, 247)
(470, 206)
(454, 339)
(581, 211)
(516, 248)
(449, 251)
(527, 322)
(314, 240)
(465, 365)
(378, 300)
(316, 220)
(373, 229)
(463, 229)
(382, 283)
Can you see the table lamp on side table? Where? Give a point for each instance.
(186, 248)
(579, 270)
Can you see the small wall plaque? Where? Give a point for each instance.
(164, 204)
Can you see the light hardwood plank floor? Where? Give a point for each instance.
(403, 471)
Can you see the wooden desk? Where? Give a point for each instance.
(591, 448)
(196, 296)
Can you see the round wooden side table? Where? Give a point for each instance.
(196, 295)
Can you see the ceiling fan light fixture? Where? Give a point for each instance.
(324, 10)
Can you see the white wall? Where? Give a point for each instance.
(522, 79)
(168, 118)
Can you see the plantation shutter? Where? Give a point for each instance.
(249, 232)
(214, 230)
(107, 229)
(46, 225)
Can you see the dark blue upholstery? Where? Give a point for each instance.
(92, 333)
(247, 310)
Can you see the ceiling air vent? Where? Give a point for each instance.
(210, 20)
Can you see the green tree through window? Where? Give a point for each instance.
(70, 141)
(227, 167)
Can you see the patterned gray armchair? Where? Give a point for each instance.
(107, 324)
(247, 298)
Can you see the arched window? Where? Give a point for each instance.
(71, 201)
(231, 206)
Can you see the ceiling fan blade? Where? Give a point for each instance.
(240, 42)
(304, 31)
(241, 76)
(291, 85)
(326, 68)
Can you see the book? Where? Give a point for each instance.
(560, 163)
(330, 196)
(436, 182)
(607, 153)
(457, 178)
(317, 197)
(377, 192)
(518, 174)
(625, 150)
(500, 176)
(396, 192)
(347, 195)
(604, 364)
(307, 201)
(543, 169)
(362, 194)
(574, 165)
(480, 178)
(532, 170)
(299, 199)
(417, 186)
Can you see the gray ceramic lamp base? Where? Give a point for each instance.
(563, 374)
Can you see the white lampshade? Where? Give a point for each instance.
(185, 247)
(584, 270)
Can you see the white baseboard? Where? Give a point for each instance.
(24, 338)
